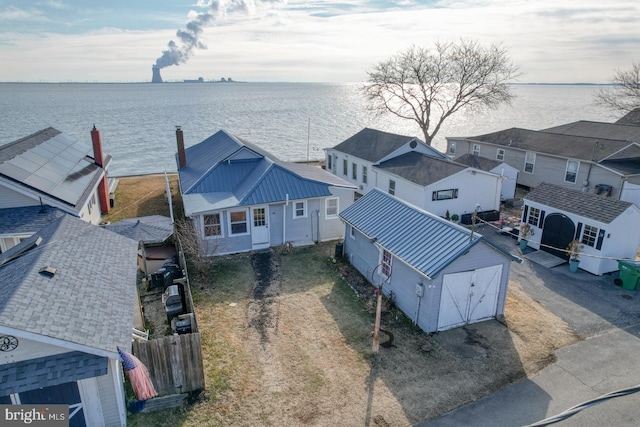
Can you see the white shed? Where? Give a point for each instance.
(508, 174)
(607, 228)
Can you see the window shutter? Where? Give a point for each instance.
(601, 234)
(578, 231)
(455, 193)
(541, 220)
(433, 196)
(524, 213)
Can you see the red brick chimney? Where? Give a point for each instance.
(182, 156)
(103, 186)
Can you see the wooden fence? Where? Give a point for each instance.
(174, 362)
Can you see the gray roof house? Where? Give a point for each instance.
(440, 274)
(413, 171)
(508, 174)
(601, 158)
(17, 224)
(241, 198)
(67, 298)
(607, 229)
(51, 168)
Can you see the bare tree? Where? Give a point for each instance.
(429, 86)
(192, 247)
(624, 95)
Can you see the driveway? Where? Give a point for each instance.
(606, 316)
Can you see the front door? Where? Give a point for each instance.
(558, 231)
(259, 227)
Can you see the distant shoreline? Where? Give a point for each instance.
(274, 82)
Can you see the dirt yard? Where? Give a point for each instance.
(286, 341)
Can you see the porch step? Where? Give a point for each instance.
(545, 259)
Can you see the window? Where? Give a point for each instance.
(534, 216)
(571, 174)
(212, 226)
(452, 148)
(329, 166)
(300, 209)
(500, 154)
(589, 236)
(344, 167)
(476, 150)
(444, 194)
(352, 231)
(331, 207)
(392, 187)
(354, 171)
(387, 259)
(259, 218)
(529, 161)
(364, 174)
(238, 222)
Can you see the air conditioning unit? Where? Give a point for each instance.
(360, 187)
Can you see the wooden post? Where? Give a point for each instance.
(376, 328)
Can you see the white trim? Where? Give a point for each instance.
(204, 236)
(566, 170)
(118, 381)
(247, 218)
(326, 207)
(90, 398)
(294, 212)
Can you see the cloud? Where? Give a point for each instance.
(12, 13)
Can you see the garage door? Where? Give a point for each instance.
(469, 297)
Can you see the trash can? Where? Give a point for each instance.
(629, 274)
(339, 249)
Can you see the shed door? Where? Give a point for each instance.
(58, 394)
(558, 231)
(259, 227)
(469, 297)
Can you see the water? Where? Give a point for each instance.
(294, 121)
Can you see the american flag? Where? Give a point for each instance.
(138, 376)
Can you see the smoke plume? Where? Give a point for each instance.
(190, 37)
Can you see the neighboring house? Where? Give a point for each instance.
(67, 298)
(18, 224)
(631, 118)
(241, 198)
(50, 168)
(508, 173)
(413, 171)
(608, 229)
(601, 158)
(440, 274)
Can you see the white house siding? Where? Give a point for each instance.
(13, 199)
(109, 397)
(631, 193)
(364, 256)
(509, 176)
(30, 349)
(621, 239)
(480, 189)
(337, 170)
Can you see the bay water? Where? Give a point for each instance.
(293, 121)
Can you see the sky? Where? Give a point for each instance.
(551, 41)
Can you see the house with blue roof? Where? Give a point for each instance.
(241, 198)
(441, 275)
(67, 301)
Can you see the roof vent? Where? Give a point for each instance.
(48, 271)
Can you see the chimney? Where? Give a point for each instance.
(182, 156)
(157, 78)
(103, 187)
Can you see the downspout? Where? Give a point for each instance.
(284, 219)
(317, 212)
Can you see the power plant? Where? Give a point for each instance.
(157, 78)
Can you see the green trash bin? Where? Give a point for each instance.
(629, 274)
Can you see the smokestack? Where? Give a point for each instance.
(182, 156)
(98, 158)
(157, 78)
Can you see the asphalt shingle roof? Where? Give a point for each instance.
(420, 168)
(372, 145)
(587, 205)
(477, 162)
(27, 219)
(145, 229)
(89, 300)
(614, 131)
(631, 118)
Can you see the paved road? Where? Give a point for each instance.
(607, 360)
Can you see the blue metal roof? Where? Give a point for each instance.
(423, 240)
(228, 171)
